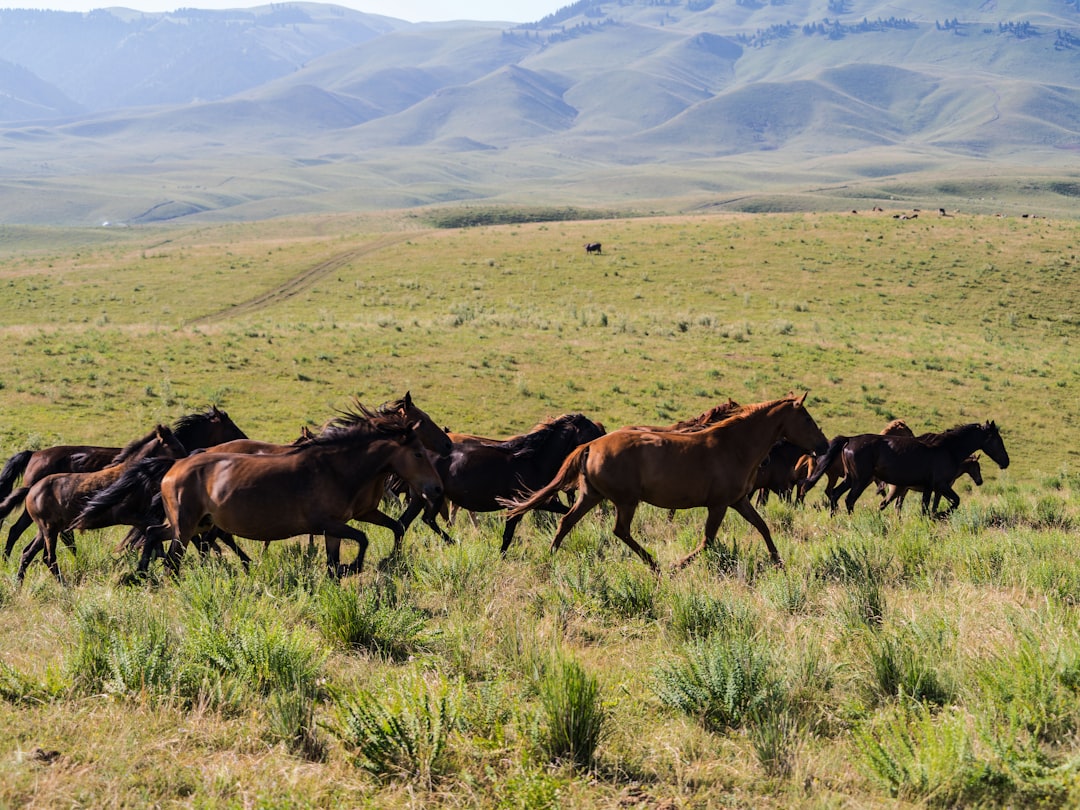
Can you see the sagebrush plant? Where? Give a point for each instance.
(403, 731)
(921, 757)
(722, 680)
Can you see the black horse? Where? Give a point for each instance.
(929, 463)
(478, 477)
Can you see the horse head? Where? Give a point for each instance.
(801, 429)
(993, 445)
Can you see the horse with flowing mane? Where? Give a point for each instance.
(310, 490)
(808, 468)
(714, 468)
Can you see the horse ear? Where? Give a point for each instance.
(408, 399)
(803, 398)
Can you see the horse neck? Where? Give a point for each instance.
(758, 429)
(965, 441)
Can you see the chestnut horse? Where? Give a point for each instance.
(193, 431)
(714, 468)
(930, 462)
(55, 500)
(310, 490)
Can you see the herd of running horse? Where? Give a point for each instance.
(204, 481)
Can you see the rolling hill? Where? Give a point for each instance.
(122, 116)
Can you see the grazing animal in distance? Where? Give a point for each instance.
(593, 247)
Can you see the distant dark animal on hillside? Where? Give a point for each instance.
(593, 247)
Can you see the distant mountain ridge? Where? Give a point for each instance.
(311, 107)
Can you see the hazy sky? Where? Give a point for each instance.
(412, 10)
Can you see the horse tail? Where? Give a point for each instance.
(134, 491)
(824, 462)
(565, 479)
(12, 470)
(11, 501)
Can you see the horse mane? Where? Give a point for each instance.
(360, 421)
(530, 442)
(195, 420)
(896, 426)
(936, 439)
(703, 420)
(744, 412)
(135, 445)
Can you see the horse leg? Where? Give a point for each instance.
(215, 534)
(894, 495)
(430, 518)
(624, 516)
(856, 489)
(508, 532)
(28, 554)
(50, 554)
(378, 518)
(333, 532)
(835, 493)
(23, 523)
(713, 520)
(413, 507)
(746, 509)
(950, 495)
(580, 508)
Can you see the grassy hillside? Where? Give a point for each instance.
(896, 660)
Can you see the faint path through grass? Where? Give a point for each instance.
(300, 282)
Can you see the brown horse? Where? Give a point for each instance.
(196, 430)
(55, 500)
(930, 462)
(310, 490)
(969, 466)
(134, 492)
(478, 476)
(810, 471)
(714, 468)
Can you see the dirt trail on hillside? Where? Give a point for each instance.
(299, 283)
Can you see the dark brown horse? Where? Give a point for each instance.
(193, 431)
(778, 473)
(811, 471)
(478, 476)
(969, 466)
(310, 490)
(930, 462)
(55, 500)
(135, 491)
(714, 468)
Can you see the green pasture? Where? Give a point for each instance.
(897, 660)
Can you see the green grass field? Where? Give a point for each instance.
(896, 660)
